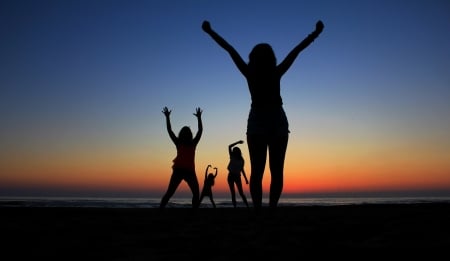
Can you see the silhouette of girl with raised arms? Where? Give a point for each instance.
(184, 163)
(267, 125)
(235, 168)
(207, 186)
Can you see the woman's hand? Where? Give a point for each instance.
(198, 112)
(319, 26)
(166, 111)
(206, 26)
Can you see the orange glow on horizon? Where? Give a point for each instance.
(345, 173)
(157, 183)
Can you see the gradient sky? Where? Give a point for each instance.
(83, 84)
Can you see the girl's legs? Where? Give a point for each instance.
(233, 193)
(202, 195)
(267, 129)
(192, 182)
(241, 191)
(175, 180)
(257, 147)
(212, 200)
(277, 153)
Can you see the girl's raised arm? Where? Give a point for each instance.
(290, 58)
(172, 135)
(237, 59)
(198, 114)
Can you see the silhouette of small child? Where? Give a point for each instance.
(207, 186)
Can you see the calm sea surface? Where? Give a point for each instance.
(186, 202)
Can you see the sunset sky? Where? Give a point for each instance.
(83, 84)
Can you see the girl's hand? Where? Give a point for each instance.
(198, 112)
(166, 111)
(206, 26)
(319, 26)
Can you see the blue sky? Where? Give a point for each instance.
(84, 82)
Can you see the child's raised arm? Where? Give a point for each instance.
(230, 147)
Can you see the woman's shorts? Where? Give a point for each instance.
(267, 122)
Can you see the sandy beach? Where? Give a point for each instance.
(222, 233)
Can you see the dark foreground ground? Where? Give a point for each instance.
(224, 233)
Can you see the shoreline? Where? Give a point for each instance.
(115, 202)
(139, 233)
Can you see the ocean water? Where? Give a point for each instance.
(220, 202)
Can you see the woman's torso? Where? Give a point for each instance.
(185, 158)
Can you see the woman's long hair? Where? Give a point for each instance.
(185, 135)
(262, 57)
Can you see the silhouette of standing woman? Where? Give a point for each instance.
(235, 168)
(184, 163)
(207, 186)
(267, 125)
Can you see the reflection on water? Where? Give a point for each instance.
(220, 202)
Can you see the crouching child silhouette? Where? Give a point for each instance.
(207, 186)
